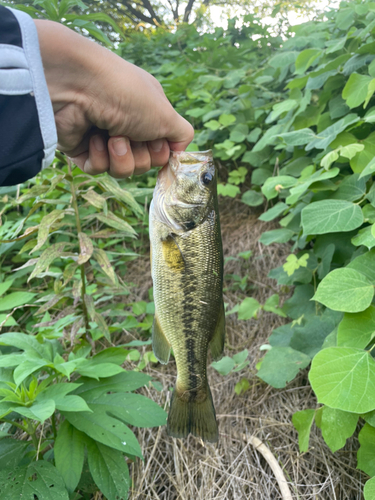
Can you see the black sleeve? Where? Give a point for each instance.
(27, 127)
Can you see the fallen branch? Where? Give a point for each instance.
(272, 462)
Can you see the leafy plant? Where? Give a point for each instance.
(65, 403)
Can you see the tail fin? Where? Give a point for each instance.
(193, 416)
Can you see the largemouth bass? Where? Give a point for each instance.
(187, 272)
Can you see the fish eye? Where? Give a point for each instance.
(207, 178)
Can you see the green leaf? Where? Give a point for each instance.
(45, 227)
(212, 125)
(107, 430)
(102, 370)
(64, 402)
(69, 452)
(226, 120)
(12, 452)
(365, 238)
(331, 216)
(281, 364)
(305, 59)
(113, 221)
(365, 265)
(38, 479)
(224, 366)
(39, 411)
(45, 260)
(248, 308)
(274, 212)
(302, 421)
(369, 489)
(104, 263)
(5, 286)
(276, 236)
(123, 382)
(273, 185)
(28, 367)
(345, 290)
(16, 299)
(337, 426)
(293, 263)
(357, 330)
(355, 90)
(242, 386)
(336, 370)
(326, 136)
(111, 185)
(298, 137)
(369, 169)
(109, 470)
(228, 190)
(366, 452)
(252, 198)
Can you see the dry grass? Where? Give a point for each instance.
(176, 469)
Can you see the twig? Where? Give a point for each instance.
(272, 462)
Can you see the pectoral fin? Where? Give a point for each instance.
(172, 254)
(160, 344)
(217, 341)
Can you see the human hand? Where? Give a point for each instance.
(110, 115)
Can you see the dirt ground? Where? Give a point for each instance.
(176, 469)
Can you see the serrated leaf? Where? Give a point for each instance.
(45, 226)
(103, 261)
(111, 185)
(69, 452)
(336, 370)
(331, 216)
(281, 364)
(337, 426)
(302, 421)
(38, 479)
(345, 290)
(86, 248)
(45, 260)
(109, 470)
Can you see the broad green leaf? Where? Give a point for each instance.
(331, 216)
(365, 265)
(336, 371)
(64, 402)
(355, 90)
(11, 360)
(12, 452)
(280, 108)
(352, 188)
(37, 411)
(329, 158)
(364, 157)
(252, 198)
(37, 480)
(27, 343)
(345, 290)
(16, 299)
(298, 137)
(228, 190)
(326, 136)
(274, 212)
(109, 470)
(7, 320)
(366, 452)
(116, 355)
(276, 236)
(133, 409)
(4, 286)
(69, 452)
(302, 421)
(281, 364)
(274, 185)
(365, 238)
(107, 430)
(224, 366)
(89, 369)
(113, 221)
(123, 382)
(248, 308)
(357, 330)
(226, 120)
(369, 169)
(337, 426)
(306, 59)
(28, 367)
(369, 489)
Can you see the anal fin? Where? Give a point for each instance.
(160, 344)
(217, 341)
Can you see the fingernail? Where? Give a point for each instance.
(157, 145)
(98, 143)
(120, 146)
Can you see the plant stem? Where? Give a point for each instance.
(15, 424)
(53, 422)
(82, 266)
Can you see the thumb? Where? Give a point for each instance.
(181, 134)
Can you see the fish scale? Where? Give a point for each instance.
(187, 271)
